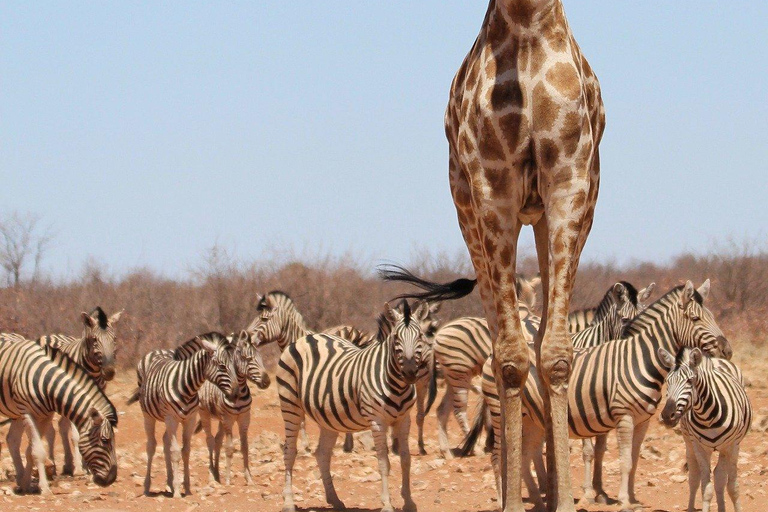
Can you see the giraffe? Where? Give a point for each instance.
(523, 122)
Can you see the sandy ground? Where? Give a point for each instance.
(438, 485)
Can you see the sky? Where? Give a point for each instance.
(145, 133)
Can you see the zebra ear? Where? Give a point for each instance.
(243, 338)
(421, 311)
(644, 294)
(535, 280)
(704, 289)
(88, 320)
(208, 345)
(96, 417)
(434, 308)
(687, 295)
(392, 314)
(667, 359)
(695, 357)
(619, 292)
(114, 318)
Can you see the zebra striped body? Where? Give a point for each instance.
(617, 385)
(214, 404)
(95, 352)
(35, 383)
(347, 389)
(169, 382)
(708, 398)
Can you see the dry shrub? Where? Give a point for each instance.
(221, 294)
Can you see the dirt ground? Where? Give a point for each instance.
(438, 485)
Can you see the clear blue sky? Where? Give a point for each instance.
(146, 133)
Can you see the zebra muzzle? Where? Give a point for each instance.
(670, 416)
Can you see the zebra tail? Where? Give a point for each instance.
(467, 447)
(134, 397)
(199, 426)
(432, 394)
(432, 291)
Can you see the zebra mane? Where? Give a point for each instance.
(79, 375)
(635, 324)
(101, 316)
(274, 293)
(406, 312)
(189, 348)
(632, 291)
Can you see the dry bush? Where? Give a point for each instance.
(221, 294)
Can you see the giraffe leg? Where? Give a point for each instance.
(443, 414)
(402, 428)
(637, 440)
(323, 455)
(13, 438)
(149, 429)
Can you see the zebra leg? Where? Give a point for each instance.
(380, 440)
(694, 475)
(637, 442)
(395, 441)
(323, 456)
(289, 455)
(349, 443)
(732, 457)
(704, 458)
(50, 438)
(172, 455)
(443, 413)
(721, 476)
(305, 439)
(187, 431)
(402, 429)
(243, 422)
(36, 453)
(421, 393)
(15, 433)
(218, 442)
(601, 445)
(149, 429)
(226, 423)
(205, 421)
(532, 451)
(460, 399)
(588, 456)
(70, 439)
(624, 433)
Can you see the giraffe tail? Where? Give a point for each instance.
(433, 292)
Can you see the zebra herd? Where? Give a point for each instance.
(346, 381)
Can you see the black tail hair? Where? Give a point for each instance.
(199, 426)
(467, 447)
(134, 397)
(432, 291)
(432, 385)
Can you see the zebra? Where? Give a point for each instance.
(214, 404)
(168, 383)
(617, 385)
(707, 397)
(426, 390)
(35, 383)
(95, 351)
(347, 389)
(463, 345)
(583, 318)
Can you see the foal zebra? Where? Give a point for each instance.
(35, 383)
(708, 398)
(95, 352)
(347, 389)
(215, 404)
(168, 385)
(617, 385)
(583, 318)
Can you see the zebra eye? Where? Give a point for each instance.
(694, 317)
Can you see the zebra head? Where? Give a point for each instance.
(276, 320)
(250, 362)
(100, 340)
(221, 369)
(411, 349)
(625, 303)
(696, 324)
(681, 381)
(97, 446)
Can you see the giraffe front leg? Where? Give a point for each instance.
(380, 441)
(323, 456)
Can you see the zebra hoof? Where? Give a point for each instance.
(601, 498)
(422, 451)
(289, 508)
(337, 504)
(409, 506)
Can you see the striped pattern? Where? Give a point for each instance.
(169, 382)
(708, 398)
(278, 320)
(95, 352)
(617, 385)
(37, 382)
(347, 389)
(214, 404)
